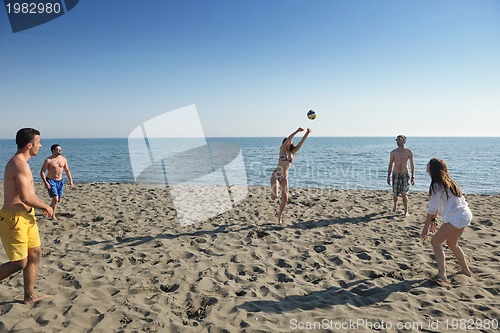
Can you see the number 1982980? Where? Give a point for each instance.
(33, 8)
(471, 324)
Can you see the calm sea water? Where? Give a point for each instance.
(323, 162)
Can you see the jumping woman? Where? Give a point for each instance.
(280, 174)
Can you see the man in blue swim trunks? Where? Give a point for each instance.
(54, 166)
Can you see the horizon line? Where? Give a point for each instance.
(243, 137)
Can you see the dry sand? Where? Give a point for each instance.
(118, 261)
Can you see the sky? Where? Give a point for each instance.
(255, 67)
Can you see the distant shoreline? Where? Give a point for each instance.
(267, 137)
(266, 188)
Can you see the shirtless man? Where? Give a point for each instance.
(54, 165)
(398, 165)
(18, 227)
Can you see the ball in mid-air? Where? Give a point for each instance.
(311, 114)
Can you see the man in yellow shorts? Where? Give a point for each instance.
(18, 228)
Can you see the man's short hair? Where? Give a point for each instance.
(54, 147)
(25, 136)
(401, 136)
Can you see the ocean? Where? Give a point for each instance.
(323, 162)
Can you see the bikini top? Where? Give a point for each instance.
(283, 157)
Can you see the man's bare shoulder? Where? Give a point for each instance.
(17, 161)
(15, 165)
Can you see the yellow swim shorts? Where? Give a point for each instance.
(19, 232)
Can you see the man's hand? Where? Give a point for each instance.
(49, 212)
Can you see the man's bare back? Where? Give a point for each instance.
(17, 167)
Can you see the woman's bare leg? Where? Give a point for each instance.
(274, 186)
(437, 240)
(284, 198)
(450, 234)
(452, 243)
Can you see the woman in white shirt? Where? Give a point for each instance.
(446, 198)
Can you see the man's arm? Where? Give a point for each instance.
(389, 169)
(45, 166)
(25, 190)
(68, 173)
(412, 168)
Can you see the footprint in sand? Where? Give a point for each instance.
(70, 281)
(319, 248)
(337, 261)
(240, 293)
(387, 255)
(169, 288)
(404, 266)
(284, 278)
(283, 264)
(364, 256)
(258, 270)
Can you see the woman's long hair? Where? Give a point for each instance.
(292, 147)
(440, 177)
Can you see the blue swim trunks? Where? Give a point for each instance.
(56, 188)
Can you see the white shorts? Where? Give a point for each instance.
(462, 220)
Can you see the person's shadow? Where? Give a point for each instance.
(359, 295)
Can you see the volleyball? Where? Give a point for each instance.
(311, 114)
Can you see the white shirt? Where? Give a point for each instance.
(453, 209)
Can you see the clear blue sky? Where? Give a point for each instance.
(255, 67)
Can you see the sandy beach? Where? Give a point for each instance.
(119, 261)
